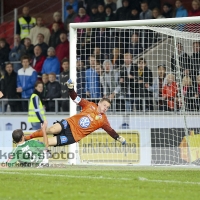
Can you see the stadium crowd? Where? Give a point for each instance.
(105, 66)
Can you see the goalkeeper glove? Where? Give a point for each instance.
(122, 140)
(70, 84)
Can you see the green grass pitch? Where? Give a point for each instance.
(100, 182)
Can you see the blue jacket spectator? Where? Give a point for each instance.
(74, 4)
(51, 64)
(16, 52)
(92, 83)
(180, 12)
(26, 78)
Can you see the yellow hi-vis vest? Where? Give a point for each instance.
(32, 117)
(25, 27)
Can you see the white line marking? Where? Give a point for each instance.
(168, 181)
(65, 175)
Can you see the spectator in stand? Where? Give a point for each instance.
(109, 15)
(112, 5)
(80, 71)
(8, 87)
(157, 86)
(116, 58)
(146, 12)
(121, 13)
(147, 35)
(144, 80)
(101, 11)
(135, 47)
(90, 3)
(127, 81)
(28, 48)
(193, 13)
(39, 28)
(53, 91)
(195, 59)
(94, 16)
(99, 71)
(153, 4)
(156, 14)
(51, 64)
(103, 41)
(169, 93)
(71, 16)
(189, 93)
(82, 17)
(58, 19)
(55, 35)
(197, 92)
(45, 81)
(183, 58)
(195, 9)
(110, 80)
(16, 52)
(38, 59)
(92, 85)
(98, 55)
(180, 11)
(62, 50)
(42, 44)
(36, 114)
(167, 10)
(133, 14)
(74, 4)
(25, 23)
(64, 77)
(26, 78)
(4, 53)
(88, 42)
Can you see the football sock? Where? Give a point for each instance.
(36, 134)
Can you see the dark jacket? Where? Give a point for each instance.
(69, 19)
(147, 77)
(29, 51)
(4, 54)
(9, 85)
(128, 82)
(195, 64)
(54, 38)
(44, 48)
(64, 77)
(135, 49)
(184, 62)
(53, 90)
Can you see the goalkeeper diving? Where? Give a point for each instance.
(73, 129)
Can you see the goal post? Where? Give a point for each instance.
(161, 129)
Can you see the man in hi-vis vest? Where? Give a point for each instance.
(36, 114)
(25, 23)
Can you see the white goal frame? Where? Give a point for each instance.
(73, 41)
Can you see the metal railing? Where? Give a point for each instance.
(118, 107)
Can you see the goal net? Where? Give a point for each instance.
(151, 72)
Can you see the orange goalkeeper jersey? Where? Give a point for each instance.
(89, 120)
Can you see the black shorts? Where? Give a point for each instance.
(65, 137)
